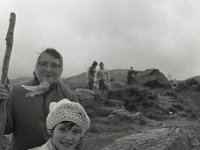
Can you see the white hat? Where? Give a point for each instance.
(65, 110)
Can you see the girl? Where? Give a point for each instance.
(66, 123)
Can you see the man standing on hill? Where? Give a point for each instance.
(102, 81)
(131, 76)
(90, 76)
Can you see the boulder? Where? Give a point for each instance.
(152, 78)
(84, 94)
(158, 139)
(88, 99)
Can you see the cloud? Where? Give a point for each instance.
(140, 33)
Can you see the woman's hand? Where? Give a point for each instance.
(3, 92)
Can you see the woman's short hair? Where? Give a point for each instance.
(53, 52)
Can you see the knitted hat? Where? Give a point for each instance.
(65, 110)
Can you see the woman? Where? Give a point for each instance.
(28, 104)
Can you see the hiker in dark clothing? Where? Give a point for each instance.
(90, 77)
(131, 76)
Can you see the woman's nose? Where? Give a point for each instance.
(48, 68)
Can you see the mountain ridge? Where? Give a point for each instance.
(80, 79)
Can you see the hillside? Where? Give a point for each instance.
(118, 78)
(80, 79)
(153, 106)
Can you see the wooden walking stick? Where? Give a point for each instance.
(4, 78)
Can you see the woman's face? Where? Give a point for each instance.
(48, 68)
(66, 136)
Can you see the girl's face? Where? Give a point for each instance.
(66, 136)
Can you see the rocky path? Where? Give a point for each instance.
(175, 134)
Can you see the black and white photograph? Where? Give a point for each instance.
(99, 74)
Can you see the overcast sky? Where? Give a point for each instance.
(162, 34)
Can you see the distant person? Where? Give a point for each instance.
(66, 123)
(28, 104)
(102, 81)
(90, 76)
(131, 76)
(174, 84)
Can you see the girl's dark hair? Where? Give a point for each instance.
(71, 124)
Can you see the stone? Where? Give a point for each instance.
(158, 139)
